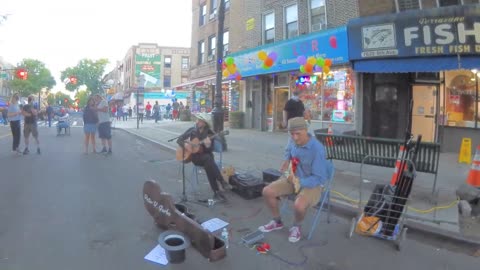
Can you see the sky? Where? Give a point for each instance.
(61, 33)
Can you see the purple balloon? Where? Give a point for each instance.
(318, 69)
(302, 60)
(273, 56)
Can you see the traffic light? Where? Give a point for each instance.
(73, 79)
(22, 74)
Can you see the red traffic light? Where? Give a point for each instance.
(22, 74)
(73, 79)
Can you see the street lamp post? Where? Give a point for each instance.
(217, 112)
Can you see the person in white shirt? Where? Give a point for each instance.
(104, 128)
(141, 112)
(125, 112)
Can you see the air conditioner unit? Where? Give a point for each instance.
(316, 27)
(280, 80)
(212, 15)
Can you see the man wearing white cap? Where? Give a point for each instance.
(202, 155)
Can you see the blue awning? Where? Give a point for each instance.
(417, 64)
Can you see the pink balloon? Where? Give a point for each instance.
(333, 42)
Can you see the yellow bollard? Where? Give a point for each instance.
(465, 154)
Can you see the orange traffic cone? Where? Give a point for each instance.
(329, 140)
(398, 163)
(473, 178)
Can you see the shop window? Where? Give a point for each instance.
(460, 99)
(329, 97)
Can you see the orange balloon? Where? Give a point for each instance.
(308, 68)
(239, 77)
(268, 62)
(328, 62)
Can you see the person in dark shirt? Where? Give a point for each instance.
(30, 127)
(293, 108)
(49, 112)
(204, 157)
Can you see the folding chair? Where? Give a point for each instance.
(217, 150)
(319, 207)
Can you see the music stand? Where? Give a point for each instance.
(184, 194)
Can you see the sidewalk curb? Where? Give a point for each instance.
(347, 210)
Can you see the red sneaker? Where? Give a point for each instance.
(271, 226)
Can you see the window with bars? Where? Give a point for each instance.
(269, 28)
(403, 5)
(201, 52)
(318, 15)
(291, 21)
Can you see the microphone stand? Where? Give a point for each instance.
(184, 195)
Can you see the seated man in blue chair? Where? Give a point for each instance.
(306, 166)
(197, 145)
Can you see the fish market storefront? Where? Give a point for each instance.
(419, 69)
(316, 65)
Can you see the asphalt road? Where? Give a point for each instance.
(67, 210)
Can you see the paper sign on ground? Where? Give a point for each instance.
(214, 224)
(157, 255)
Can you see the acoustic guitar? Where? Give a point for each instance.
(194, 146)
(292, 169)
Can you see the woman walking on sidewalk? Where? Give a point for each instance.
(15, 116)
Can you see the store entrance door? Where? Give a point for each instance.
(257, 110)
(424, 110)
(281, 97)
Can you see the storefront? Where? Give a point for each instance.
(270, 80)
(418, 69)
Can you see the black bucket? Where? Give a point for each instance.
(174, 243)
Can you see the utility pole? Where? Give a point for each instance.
(140, 86)
(217, 112)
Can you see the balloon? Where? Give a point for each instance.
(231, 69)
(273, 56)
(223, 65)
(317, 69)
(302, 69)
(320, 61)
(333, 42)
(326, 69)
(311, 60)
(269, 62)
(239, 77)
(262, 55)
(229, 60)
(301, 60)
(308, 68)
(328, 62)
(225, 73)
(264, 66)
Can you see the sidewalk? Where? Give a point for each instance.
(255, 151)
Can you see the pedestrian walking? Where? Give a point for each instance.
(175, 107)
(148, 108)
(104, 127)
(156, 111)
(125, 112)
(168, 108)
(30, 115)
(15, 116)
(49, 112)
(130, 111)
(141, 112)
(90, 121)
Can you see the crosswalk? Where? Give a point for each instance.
(73, 123)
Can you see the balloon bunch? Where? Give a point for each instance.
(312, 64)
(230, 69)
(268, 60)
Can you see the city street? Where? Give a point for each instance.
(67, 210)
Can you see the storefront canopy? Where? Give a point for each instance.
(329, 44)
(429, 40)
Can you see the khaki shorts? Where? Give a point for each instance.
(30, 128)
(283, 187)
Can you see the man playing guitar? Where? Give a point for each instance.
(306, 161)
(201, 153)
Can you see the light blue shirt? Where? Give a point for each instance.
(14, 108)
(313, 167)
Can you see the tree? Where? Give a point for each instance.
(38, 78)
(82, 96)
(51, 99)
(87, 72)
